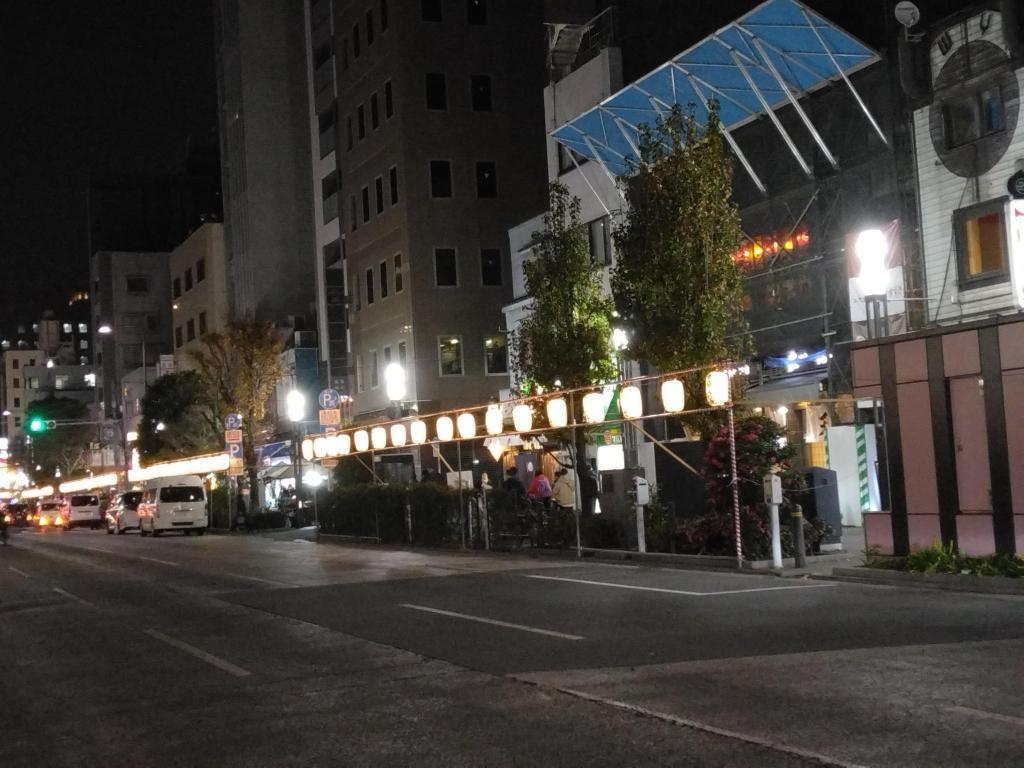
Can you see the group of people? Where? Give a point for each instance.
(541, 490)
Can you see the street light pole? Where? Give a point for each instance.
(296, 405)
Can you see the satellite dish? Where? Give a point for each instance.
(907, 13)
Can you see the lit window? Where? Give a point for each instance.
(67, 327)
(83, 328)
(60, 382)
(496, 355)
(449, 355)
(981, 243)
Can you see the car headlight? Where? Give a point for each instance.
(8, 519)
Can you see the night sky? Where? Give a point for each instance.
(88, 87)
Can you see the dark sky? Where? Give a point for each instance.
(97, 87)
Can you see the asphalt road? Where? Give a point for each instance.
(255, 651)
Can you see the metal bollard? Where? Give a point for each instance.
(797, 522)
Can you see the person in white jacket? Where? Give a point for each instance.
(564, 491)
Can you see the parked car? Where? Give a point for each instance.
(84, 509)
(173, 504)
(18, 514)
(52, 513)
(123, 512)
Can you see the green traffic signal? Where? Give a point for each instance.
(36, 425)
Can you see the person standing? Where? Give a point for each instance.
(540, 488)
(564, 491)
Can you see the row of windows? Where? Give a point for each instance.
(432, 10)
(186, 333)
(380, 280)
(200, 275)
(376, 364)
(370, 30)
(360, 124)
(450, 359)
(479, 92)
(446, 267)
(441, 186)
(378, 198)
(69, 328)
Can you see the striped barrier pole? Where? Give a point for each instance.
(735, 489)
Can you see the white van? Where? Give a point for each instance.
(84, 509)
(173, 504)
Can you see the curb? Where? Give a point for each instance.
(950, 582)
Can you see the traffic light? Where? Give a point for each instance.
(36, 425)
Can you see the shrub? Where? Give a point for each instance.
(262, 521)
(944, 558)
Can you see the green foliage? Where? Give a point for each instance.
(944, 558)
(182, 403)
(65, 446)
(378, 511)
(675, 282)
(659, 523)
(567, 336)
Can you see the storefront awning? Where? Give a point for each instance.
(770, 57)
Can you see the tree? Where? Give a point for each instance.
(183, 404)
(239, 369)
(675, 282)
(64, 446)
(566, 338)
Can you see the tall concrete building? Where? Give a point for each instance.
(199, 290)
(426, 126)
(261, 83)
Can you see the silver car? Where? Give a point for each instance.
(123, 512)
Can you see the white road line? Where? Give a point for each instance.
(155, 560)
(766, 743)
(19, 571)
(494, 622)
(1018, 721)
(76, 598)
(688, 593)
(199, 653)
(257, 578)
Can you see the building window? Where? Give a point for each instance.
(366, 204)
(66, 327)
(480, 92)
(490, 266)
(981, 243)
(599, 238)
(430, 10)
(17, 402)
(476, 11)
(374, 370)
(136, 284)
(355, 42)
(440, 178)
(359, 293)
(151, 322)
(387, 356)
(437, 91)
(344, 54)
(348, 132)
(379, 190)
(17, 421)
(188, 279)
(398, 273)
(369, 286)
(61, 381)
(402, 354)
(486, 179)
(16, 383)
(17, 363)
(202, 323)
(383, 15)
(446, 270)
(83, 328)
(383, 280)
(393, 184)
(970, 116)
(449, 355)
(200, 270)
(369, 27)
(566, 157)
(496, 355)
(83, 344)
(374, 111)
(352, 213)
(32, 382)
(389, 100)
(178, 341)
(361, 121)
(190, 330)
(360, 379)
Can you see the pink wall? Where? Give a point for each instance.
(974, 535)
(924, 531)
(918, 448)
(878, 532)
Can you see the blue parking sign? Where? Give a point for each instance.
(329, 398)
(233, 421)
(234, 450)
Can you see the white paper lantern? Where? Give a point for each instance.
(379, 438)
(445, 429)
(362, 440)
(333, 445)
(398, 435)
(522, 417)
(558, 412)
(418, 432)
(497, 448)
(593, 408)
(631, 402)
(493, 419)
(307, 449)
(344, 445)
(673, 395)
(319, 447)
(716, 385)
(467, 426)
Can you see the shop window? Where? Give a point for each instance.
(981, 243)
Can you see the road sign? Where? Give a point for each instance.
(232, 435)
(330, 417)
(235, 462)
(233, 421)
(236, 471)
(328, 398)
(234, 451)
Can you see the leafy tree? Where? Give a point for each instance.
(65, 446)
(182, 403)
(675, 282)
(567, 337)
(239, 369)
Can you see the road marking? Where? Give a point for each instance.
(155, 560)
(699, 726)
(199, 653)
(76, 598)
(665, 590)
(494, 622)
(257, 578)
(1019, 721)
(19, 572)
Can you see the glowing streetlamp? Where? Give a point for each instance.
(871, 248)
(395, 382)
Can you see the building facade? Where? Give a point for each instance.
(428, 144)
(199, 290)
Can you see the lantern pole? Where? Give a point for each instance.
(735, 487)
